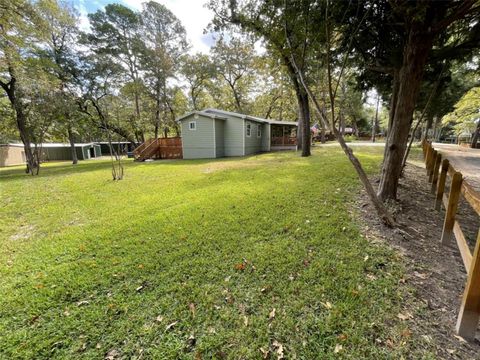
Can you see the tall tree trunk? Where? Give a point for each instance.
(475, 137)
(304, 122)
(355, 126)
(410, 78)
(72, 145)
(375, 121)
(140, 133)
(32, 163)
(428, 126)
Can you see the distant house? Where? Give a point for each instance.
(213, 133)
(121, 147)
(14, 154)
(63, 151)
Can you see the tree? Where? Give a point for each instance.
(234, 63)
(466, 116)
(165, 42)
(397, 41)
(60, 54)
(266, 20)
(116, 34)
(20, 29)
(198, 71)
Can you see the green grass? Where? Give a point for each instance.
(89, 265)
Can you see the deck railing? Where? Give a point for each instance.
(438, 171)
(283, 140)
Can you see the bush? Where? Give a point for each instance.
(350, 138)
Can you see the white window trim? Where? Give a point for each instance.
(243, 137)
(248, 130)
(194, 125)
(259, 131)
(214, 140)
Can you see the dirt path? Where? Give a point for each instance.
(434, 272)
(465, 160)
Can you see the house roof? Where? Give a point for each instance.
(203, 113)
(50, 145)
(249, 117)
(222, 115)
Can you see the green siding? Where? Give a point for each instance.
(219, 137)
(266, 137)
(233, 136)
(98, 150)
(253, 144)
(199, 143)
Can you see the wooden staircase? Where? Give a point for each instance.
(160, 148)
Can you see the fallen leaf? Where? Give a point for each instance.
(227, 279)
(338, 348)
(171, 325)
(191, 306)
(459, 338)
(342, 337)
(406, 333)
(404, 317)
(240, 266)
(112, 355)
(272, 314)
(389, 343)
(159, 318)
(279, 350)
(327, 305)
(191, 342)
(420, 275)
(264, 353)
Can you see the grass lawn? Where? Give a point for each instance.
(228, 258)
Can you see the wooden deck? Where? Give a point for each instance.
(161, 148)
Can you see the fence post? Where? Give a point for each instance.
(469, 314)
(427, 156)
(441, 184)
(436, 167)
(431, 165)
(453, 198)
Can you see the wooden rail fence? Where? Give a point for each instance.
(160, 148)
(438, 172)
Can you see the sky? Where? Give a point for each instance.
(192, 13)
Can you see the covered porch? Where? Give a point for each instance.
(284, 137)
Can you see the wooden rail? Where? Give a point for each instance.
(160, 148)
(438, 171)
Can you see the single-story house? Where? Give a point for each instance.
(214, 133)
(12, 154)
(63, 151)
(121, 147)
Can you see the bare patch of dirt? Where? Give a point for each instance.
(434, 272)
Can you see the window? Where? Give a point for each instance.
(259, 131)
(249, 130)
(192, 125)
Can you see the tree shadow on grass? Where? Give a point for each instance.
(53, 169)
